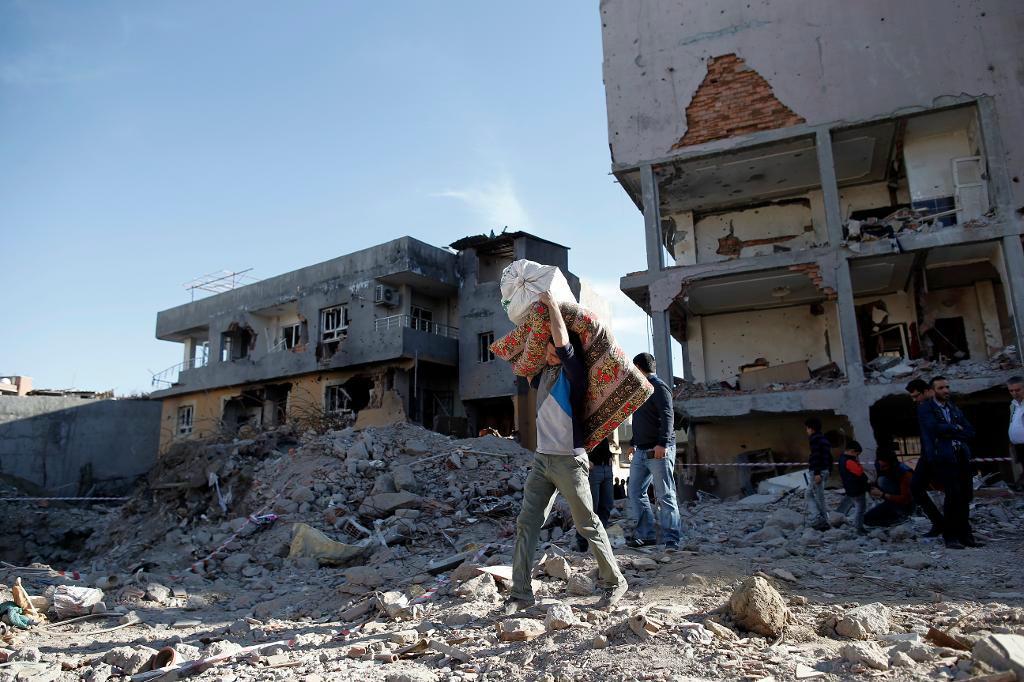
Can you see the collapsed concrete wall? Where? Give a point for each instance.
(65, 445)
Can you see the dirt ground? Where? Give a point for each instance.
(272, 614)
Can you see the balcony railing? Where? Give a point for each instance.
(169, 376)
(398, 321)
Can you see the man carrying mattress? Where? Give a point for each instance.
(561, 464)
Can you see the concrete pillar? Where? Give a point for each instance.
(1013, 256)
(656, 263)
(829, 188)
(190, 348)
(989, 316)
(848, 322)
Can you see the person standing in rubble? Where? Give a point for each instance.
(601, 486)
(947, 433)
(1015, 385)
(819, 465)
(652, 461)
(924, 475)
(561, 465)
(855, 483)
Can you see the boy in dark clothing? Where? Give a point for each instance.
(855, 482)
(819, 464)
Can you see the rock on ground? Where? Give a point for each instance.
(520, 629)
(478, 588)
(559, 617)
(758, 607)
(864, 622)
(867, 653)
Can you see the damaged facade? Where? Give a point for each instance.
(394, 332)
(825, 220)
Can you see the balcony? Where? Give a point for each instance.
(410, 322)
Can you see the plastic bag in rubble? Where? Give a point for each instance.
(71, 600)
(522, 283)
(309, 542)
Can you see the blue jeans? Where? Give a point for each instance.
(643, 471)
(601, 481)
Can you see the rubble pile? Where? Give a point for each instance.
(884, 370)
(906, 221)
(386, 555)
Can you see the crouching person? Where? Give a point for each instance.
(561, 465)
(893, 490)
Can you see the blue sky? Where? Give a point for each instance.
(144, 144)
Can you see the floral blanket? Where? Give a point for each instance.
(615, 387)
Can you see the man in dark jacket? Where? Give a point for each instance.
(652, 455)
(945, 433)
(819, 464)
(924, 475)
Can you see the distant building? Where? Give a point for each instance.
(395, 331)
(15, 385)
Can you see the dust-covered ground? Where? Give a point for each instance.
(210, 558)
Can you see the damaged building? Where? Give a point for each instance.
(824, 220)
(400, 331)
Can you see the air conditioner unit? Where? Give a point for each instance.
(386, 296)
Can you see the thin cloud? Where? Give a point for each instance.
(53, 65)
(496, 203)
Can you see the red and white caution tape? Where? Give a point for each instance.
(804, 464)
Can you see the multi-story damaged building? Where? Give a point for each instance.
(397, 331)
(832, 205)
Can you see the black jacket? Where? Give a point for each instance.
(855, 481)
(653, 423)
(601, 454)
(940, 439)
(821, 454)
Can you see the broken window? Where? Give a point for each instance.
(422, 319)
(185, 413)
(333, 323)
(949, 339)
(236, 342)
(291, 336)
(336, 399)
(484, 342)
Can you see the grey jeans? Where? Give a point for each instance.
(816, 497)
(860, 501)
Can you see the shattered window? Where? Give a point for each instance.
(292, 335)
(336, 399)
(333, 323)
(484, 342)
(185, 420)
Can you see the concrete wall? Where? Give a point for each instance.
(828, 61)
(47, 440)
(784, 434)
(779, 335)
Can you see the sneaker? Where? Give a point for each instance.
(671, 546)
(933, 533)
(820, 525)
(637, 542)
(614, 595)
(953, 544)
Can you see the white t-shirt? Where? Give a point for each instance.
(1016, 423)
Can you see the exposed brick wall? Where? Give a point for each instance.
(733, 100)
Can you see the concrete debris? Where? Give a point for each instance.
(420, 599)
(758, 607)
(866, 653)
(520, 629)
(559, 617)
(1001, 652)
(70, 601)
(863, 622)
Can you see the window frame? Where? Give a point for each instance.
(483, 348)
(296, 330)
(181, 429)
(340, 329)
(335, 393)
(421, 318)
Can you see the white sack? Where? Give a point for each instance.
(522, 283)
